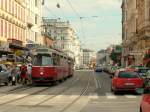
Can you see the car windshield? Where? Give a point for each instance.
(41, 60)
(128, 75)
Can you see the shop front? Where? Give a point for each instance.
(4, 50)
(18, 51)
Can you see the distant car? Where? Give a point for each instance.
(142, 71)
(145, 103)
(126, 81)
(98, 69)
(4, 73)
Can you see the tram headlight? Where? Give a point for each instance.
(41, 73)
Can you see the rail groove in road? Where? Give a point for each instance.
(74, 101)
(14, 90)
(34, 93)
(18, 89)
(51, 97)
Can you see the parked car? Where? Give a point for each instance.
(125, 80)
(98, 69)
(145, 103)
(142, 71)
(146, 77)
(4, 73)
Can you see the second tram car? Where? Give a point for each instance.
(51, 66)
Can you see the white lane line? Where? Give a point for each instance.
(96, 83)
(110, 96)
(59, 96)
(78, 105)
(130, 96)
(93, 96)
(73, 96)
(100, 86)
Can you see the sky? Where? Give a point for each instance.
(100, 23)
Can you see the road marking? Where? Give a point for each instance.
(93, 96)
(110, 96)
(99, 84)
(73, 96)
(78, 105)
(59, 96)
(130, 96)
(96, 83)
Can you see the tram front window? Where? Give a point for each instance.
(41, 60)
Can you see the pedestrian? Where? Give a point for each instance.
(29, 71)
(9, 76)
(23, 74)
(13, 75)
(18, 74)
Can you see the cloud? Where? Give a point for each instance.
(109, 4)
(99, 32)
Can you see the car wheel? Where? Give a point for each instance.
(115, 92)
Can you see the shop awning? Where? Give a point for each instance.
(5, 52)
(14, 46)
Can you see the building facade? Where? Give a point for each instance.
(89, 57)
(63, 38)
(78, 53)
(136, 32)
(101, 57)
(12, 25)
(34, 22)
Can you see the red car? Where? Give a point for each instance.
(145, 104)
(125, 80)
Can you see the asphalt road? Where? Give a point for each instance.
(87, 91)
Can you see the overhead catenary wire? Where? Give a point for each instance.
(78, 16)
(61, 9)
(70, 4)
(50, 11)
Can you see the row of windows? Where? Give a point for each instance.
(12, 7)
(12, 31)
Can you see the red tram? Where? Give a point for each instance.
(50, 66)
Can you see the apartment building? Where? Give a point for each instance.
(12, 25)
(136, 32)
(34, 22)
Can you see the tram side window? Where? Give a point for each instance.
(56, 60)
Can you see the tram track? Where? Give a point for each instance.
(18, 89)
(63, 91)
(34, 93)
(71, 83)
(83, 92)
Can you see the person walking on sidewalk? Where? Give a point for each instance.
(23, 74)
(29, 71)
(13, 75)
